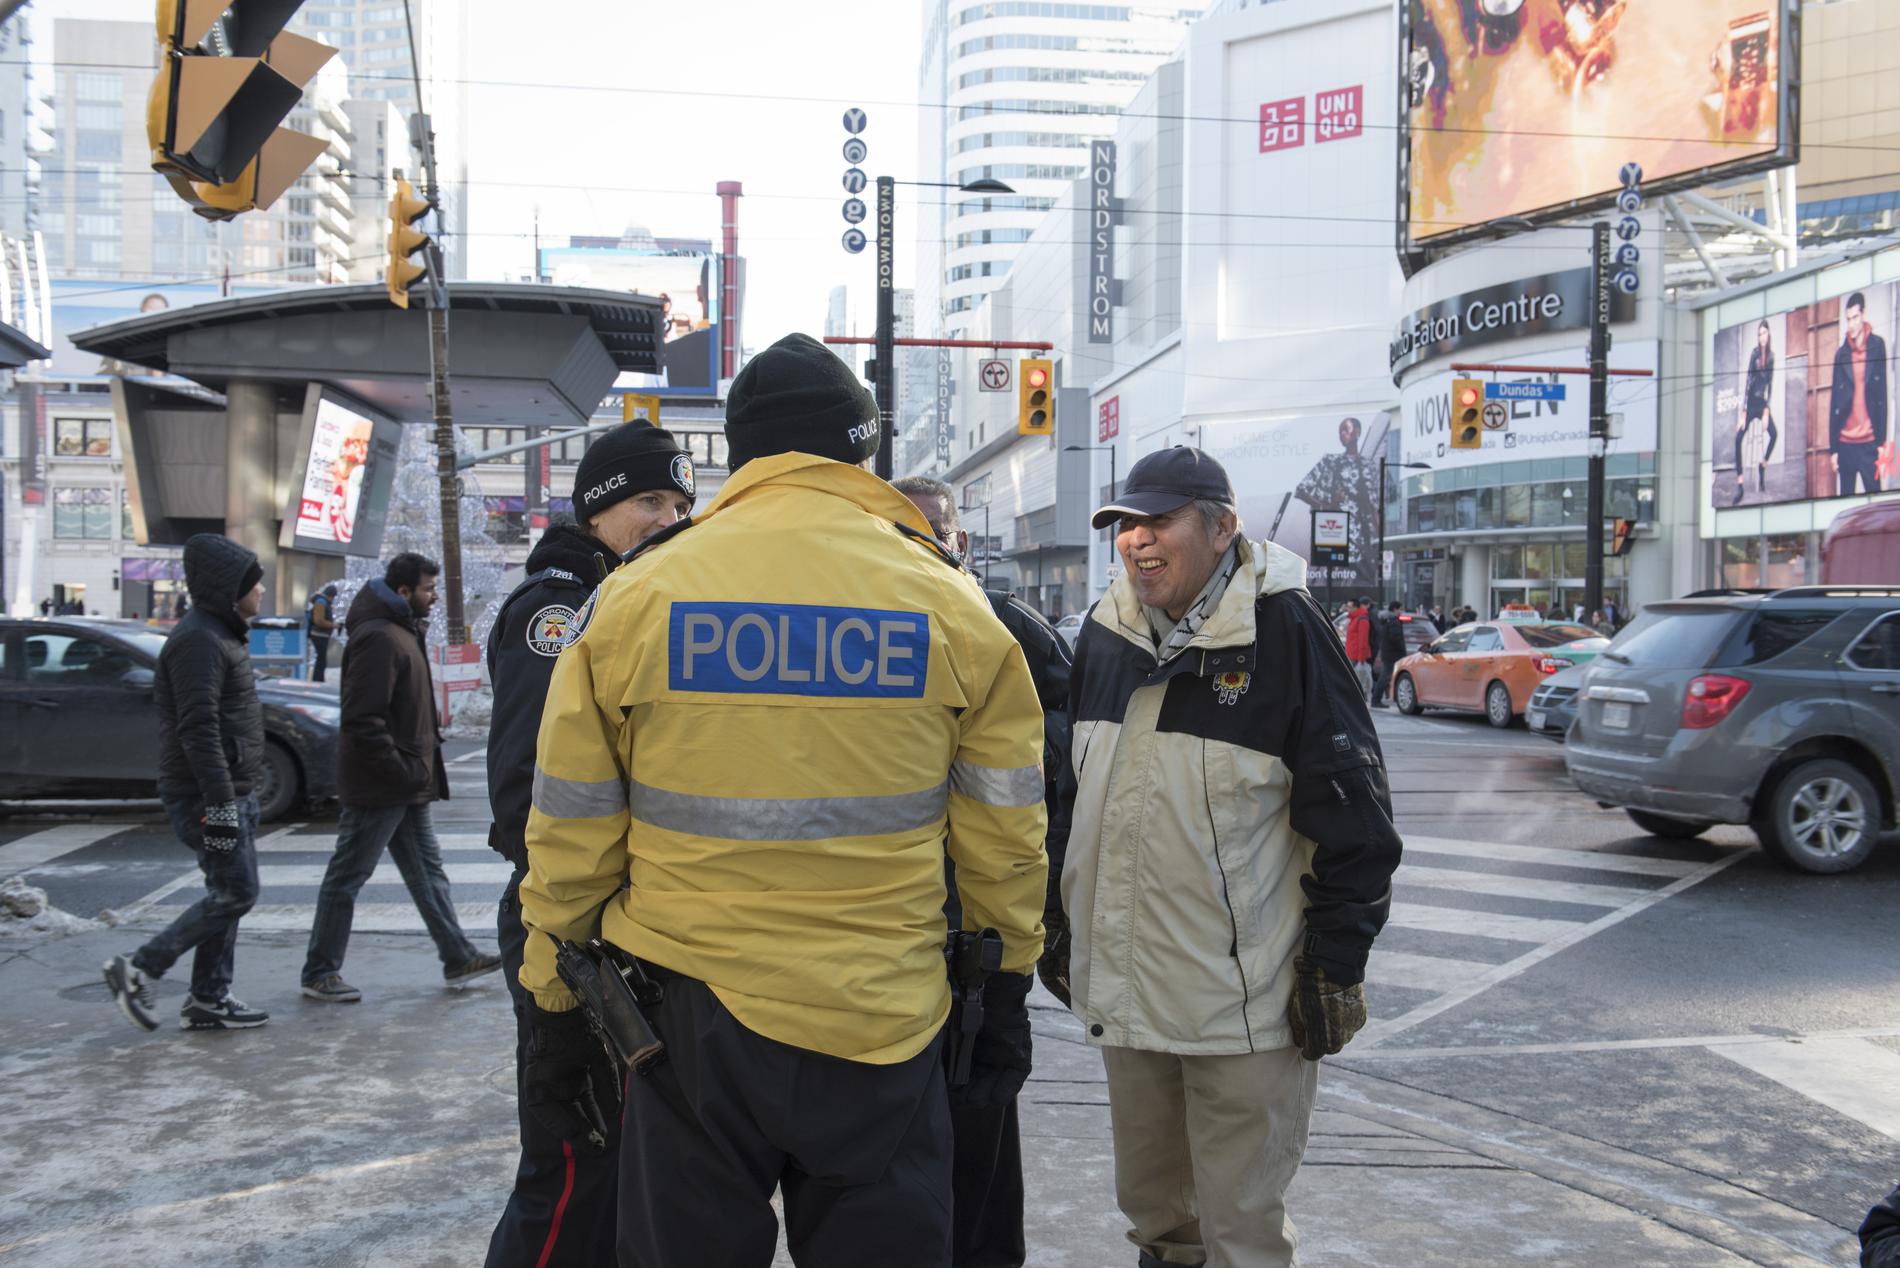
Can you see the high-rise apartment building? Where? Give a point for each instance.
(1019, 89)
(372, 40)
(16, 125)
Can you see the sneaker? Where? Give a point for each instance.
(229, 1013)
(467, 971)
(133, 990)
(332, 989)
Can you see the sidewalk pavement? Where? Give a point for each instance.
(383, 1133)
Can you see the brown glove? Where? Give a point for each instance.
(1324, 1015)
(1053, 966)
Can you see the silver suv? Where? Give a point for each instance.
(1779, 710)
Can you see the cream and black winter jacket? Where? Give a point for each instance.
(1230, 810)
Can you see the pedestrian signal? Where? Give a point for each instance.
(636, 407)
(1035, 404)
(1467, 414)
(402, 270)
(227, 76)
(1620, 539)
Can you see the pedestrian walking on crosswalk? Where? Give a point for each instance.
(389, 772)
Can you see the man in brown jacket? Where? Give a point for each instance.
(389, 771)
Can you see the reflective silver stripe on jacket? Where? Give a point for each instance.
(787, 819)
(578, 798)
(998, 785)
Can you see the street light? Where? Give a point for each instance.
(886, 385)
(1379, 565)
(1111, 462)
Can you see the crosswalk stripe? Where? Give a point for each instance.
(48, 844)
(386, 873)
(1855, 1077)
(1597, 860)
(309, 843)
(1477, 924)
(1514, 886)
(368, 918)
(1434, 973)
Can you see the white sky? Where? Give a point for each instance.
(745, 90)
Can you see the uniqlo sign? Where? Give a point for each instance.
(1108, 420)
(1282, 124)
(1340, 114)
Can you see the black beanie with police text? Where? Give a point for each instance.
(632, 458)
(797, 395)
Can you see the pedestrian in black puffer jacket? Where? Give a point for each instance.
(389, 772)
(211, 731)
(1880, 1234)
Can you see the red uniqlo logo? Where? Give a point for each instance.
(1282, 124)
(1340, 114)
(1108, 423)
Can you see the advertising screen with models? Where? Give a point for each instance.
(1533, 107)
(342, 494)
(1803, 403)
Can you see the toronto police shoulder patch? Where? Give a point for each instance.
(553, 628)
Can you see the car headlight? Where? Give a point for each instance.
(323, 714)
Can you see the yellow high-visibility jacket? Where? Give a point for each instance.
(767, 730)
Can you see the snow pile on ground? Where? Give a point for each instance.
(473, 710)
(24, 909)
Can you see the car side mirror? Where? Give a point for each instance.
(137, 678)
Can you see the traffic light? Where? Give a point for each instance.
(401, 271)
(1467, 414)
(633, 405)
(1620, 540)
(1035, 405)
(228, 76)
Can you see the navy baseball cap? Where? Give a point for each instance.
(1167, 480)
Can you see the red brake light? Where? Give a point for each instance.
(1711, 698)
(1552, 664)
(1404, 620)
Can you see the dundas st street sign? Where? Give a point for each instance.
(1511, 310)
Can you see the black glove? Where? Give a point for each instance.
(999, 1057)
(1053, 966)
(570, 1083)
(1324, 1015)
(221, 827)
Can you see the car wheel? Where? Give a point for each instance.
(279, 784)
(1497, 705)
(1405, 695)
(1823, 817)
(1665, 826)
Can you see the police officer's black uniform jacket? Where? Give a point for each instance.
(1049, 665)
(545, 612)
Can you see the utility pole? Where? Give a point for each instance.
(886, 318)
(1600, 278)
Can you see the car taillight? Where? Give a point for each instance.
(1711, 698)
(1551, 664)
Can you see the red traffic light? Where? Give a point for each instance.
(1469, 396)
(1037, 377)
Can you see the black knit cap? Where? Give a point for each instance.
(632, 458)
(218, 571)
(797, 395)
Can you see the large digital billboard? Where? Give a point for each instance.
(687, 285)
(80, 303)
(340, 490)
(1532, 107)
(1804, 403)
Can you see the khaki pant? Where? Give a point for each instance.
(1205, 1148)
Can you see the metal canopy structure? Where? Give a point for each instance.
(16, 349)
(523, 353)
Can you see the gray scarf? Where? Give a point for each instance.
(1172, 636)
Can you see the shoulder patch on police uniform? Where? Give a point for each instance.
(582, 617)
(553, 628)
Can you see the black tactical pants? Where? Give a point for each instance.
(988, 1186)
(860, 1153)
(561, 1213)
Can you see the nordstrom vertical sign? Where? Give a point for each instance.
(1101, 242)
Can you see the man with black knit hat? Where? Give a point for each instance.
(750, 768)
(211, 731)
(631, 483)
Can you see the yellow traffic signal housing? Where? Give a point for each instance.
(1467, 414)
(228, 76)
(634, 405)
(401, 271)
(1035, 397)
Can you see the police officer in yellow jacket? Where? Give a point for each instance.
(771, 727)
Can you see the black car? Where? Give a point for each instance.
(77, 718)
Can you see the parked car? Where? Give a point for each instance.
(1553, 705)
(1070, 627)
(78, 719)
(1774, 710)
(1490, 668)
(1862, 546)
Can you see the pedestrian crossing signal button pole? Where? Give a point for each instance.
(1035, 401)
(1467, 414)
